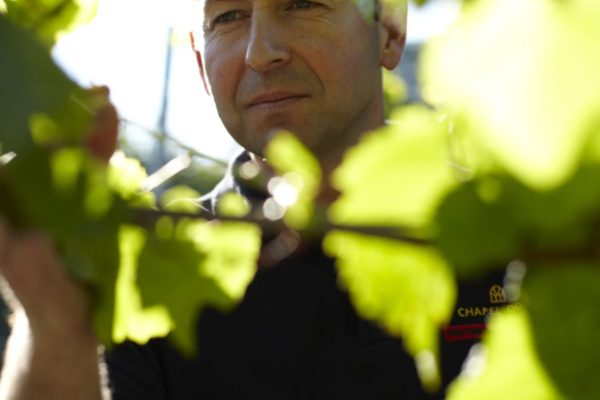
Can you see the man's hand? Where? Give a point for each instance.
(56, 307)
(52, 352)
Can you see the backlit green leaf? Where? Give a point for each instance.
(397, 175)
(506, 367)
(562, 299)
(300, 177)
(525, 76)
(36, 94)
(477, 229)
(395, 91)
(492, 220)
(231, 249)
(233, 204)
(49, 18)
(127, 176)
(196, 264)
(132, 320)
(180, 198)
(394, 284)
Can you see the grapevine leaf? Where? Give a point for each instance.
(300, 177)
(170, 275)
(572, 203)
(126, 176)
(49, 18)
(132, 320)
(571, 208)
(392, 283)
(42, 110)
(189, 265)
(396, 175)
(395, 91)
(37, 99)
(529, 91)
(80, 212)
(180, 198)
(232, 249)
(506, 367)
(491, 220)
(94, 249)
(476, 229)
(233, 204)
(563, 299)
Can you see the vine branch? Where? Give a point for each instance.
(162, 136)
(146, 217)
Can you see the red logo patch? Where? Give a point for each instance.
(455, 333)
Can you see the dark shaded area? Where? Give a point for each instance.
(4, 328)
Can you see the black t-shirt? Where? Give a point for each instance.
(294, 336)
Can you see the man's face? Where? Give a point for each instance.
(312, 68)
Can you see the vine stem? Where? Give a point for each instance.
(145, 217)
(162, 136)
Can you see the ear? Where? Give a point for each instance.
(392, 39)
(200, 63)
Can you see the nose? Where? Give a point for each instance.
(267, 43)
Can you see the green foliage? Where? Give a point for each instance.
(523, 220)
(37, 100)
(505, 167)
(49, 18)
(233, 204)
(180, 198)
(395, 91)
(394, 283)
(396, 176)
(300, 178)
(468, 211)
(147, 276)
(562, 300)
(191, 264)
(126, 176)
(530, 92)
(506, 367)
(133, 320)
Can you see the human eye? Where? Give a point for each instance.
(226, 18)
(302, 5)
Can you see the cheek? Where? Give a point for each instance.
(223, 72)
(219, 78)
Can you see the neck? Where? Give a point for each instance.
(332, 157)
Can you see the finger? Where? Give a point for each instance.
(55, 304)
(33, 265)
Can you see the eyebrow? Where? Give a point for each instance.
(205, 22)
(206, 2)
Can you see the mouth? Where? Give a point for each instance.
(275, 100)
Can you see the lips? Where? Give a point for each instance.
(274, 100)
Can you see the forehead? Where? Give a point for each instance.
(396, 8)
